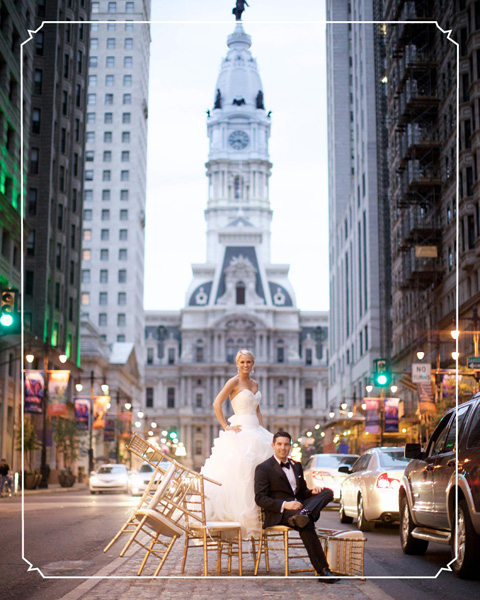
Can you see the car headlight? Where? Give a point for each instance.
(123, 479)
(93, 479)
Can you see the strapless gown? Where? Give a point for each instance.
(232, 463)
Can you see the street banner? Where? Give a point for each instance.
(372, 416)
(109, 431)
(125, 422)
(100, 404)
(82, 412)
(391, 415)
(34, 389)
(57, 393)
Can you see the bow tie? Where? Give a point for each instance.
(285, 465)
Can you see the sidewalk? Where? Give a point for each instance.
(118, 580)
(52, 487)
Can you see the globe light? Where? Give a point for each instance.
(108, 405)
(128, 406)
(105, 388)
(420, 355)
(309, 434)
(317, 426)
(153, 425)
(164, 433)
(343, 405)
(393, 388)
(163, 440)
(30, 358)
(322, 434)
(140, 414)
(78, 387)
(369, 387)
(63, 358)
(138, 424)
(455, 334)
(350, 414)
(364, 406)
(331, 414)
(404, 430)
(455, 355)
(150, 433)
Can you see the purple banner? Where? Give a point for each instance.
(372, 416)
(82, 412)
(391, 415)
(34, 389)
(57, 392)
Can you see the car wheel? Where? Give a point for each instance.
(341, 513)
(362, 522)
(468, 555)
(410, 545)
(92, 492)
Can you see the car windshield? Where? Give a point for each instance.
(334, 461)
(394, 459)
(145, 469)
(112, 470)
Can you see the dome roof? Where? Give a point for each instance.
(239, 86)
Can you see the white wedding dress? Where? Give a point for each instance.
(232, 463)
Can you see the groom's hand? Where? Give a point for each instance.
(293, 505)
(317, 490)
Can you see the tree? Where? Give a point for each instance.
(65, 436)
(30, 441)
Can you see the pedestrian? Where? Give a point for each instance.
(5, 478)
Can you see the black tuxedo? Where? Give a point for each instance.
(272, 489)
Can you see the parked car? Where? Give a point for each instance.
(109, 478)
(430, 484)
(139, 479)
(370, 490)
(322, 470)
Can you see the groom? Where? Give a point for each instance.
(281, 491)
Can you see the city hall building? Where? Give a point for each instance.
(237, 298)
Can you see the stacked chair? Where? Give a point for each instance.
(173, 505)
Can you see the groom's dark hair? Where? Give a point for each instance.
(282, 434)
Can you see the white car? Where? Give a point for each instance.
(139, 479)
(109, 478)
(322, 470)
(369, 492)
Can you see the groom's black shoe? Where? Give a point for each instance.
(326, 576)
(301, 519)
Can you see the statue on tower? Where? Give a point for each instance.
(239, 8)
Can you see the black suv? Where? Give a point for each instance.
(429, 488)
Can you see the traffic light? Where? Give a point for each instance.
(382, 376)
(9, 316)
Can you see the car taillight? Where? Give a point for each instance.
(320, 475)
(384, 482)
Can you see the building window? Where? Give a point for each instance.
(30, 243)
(108, 118)
(105, 235)
(109, 80)
(122, 276)
(92, 80)
(90, 155)
(108, 98)
(280, 354)
(39, 43)
(103, 276)
(125, 156)
(95, 7)
(107, 137)
(149, 356)
(124, 195)
(105, 214)
(127, 81)
(110, 62)
(127, 98)
(104, 254)
(149, 397)
(88, 175)
(85, 299)
(171, 397)
(120, 338)
(126, 137)
(87, 214)
(85, 275)
(308, 397)
(32, 201)
(199, 400)
(93, 43)
(127, 62)
(122, 254)
(86, 254)
(125, 176)
(171, 356)
(128, 26)
(129, 7)
(126, 117)
(36, 120)
(308, 356)
(122, 298)
(123, 234)
(240, 293)
(121, 319)
(34, 160)
(102, 319)
(106, 193)
(112, 7)
(91, 99)
(199, 354)
(103, 298)
(111, 43)
(37, 81)
(106, 176)
(280, 400)
(107, 156)
(128, 45)
(124, 214)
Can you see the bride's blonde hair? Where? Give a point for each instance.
(245, 352)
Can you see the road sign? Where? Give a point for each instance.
(421, 372)
(473, 362)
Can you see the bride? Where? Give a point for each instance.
(242, 445)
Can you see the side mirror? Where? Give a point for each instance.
(344, 469)
(413, 451)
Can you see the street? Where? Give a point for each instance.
(65, 534)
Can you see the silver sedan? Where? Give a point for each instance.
(370, 490)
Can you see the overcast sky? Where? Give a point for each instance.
(185, 58)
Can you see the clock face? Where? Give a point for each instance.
(238, 140)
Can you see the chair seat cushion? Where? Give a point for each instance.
(217, 525)
(159, 523)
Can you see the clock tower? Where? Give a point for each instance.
(238, 167)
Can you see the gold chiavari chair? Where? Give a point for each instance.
(156, 458)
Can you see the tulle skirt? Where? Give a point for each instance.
(232, 463)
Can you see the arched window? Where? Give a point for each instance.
(230, 351)
(237, 187)
(240, 292)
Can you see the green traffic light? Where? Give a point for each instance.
(172, 435)
(382, 380)
(6, 320)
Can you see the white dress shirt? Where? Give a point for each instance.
(290, 476)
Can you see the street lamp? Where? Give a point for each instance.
(420, 354)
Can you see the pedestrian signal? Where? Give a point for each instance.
(382, 375)
(9, 317)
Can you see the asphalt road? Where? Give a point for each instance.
(65, 534)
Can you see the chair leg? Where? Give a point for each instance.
(167, 552)
(267, 558)
(205, 554)
(147, 554)
(240, 541)
(185, 550)
(285, 547)
(254, 552)
(219, 556)
(132, 537)
(259, 554)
